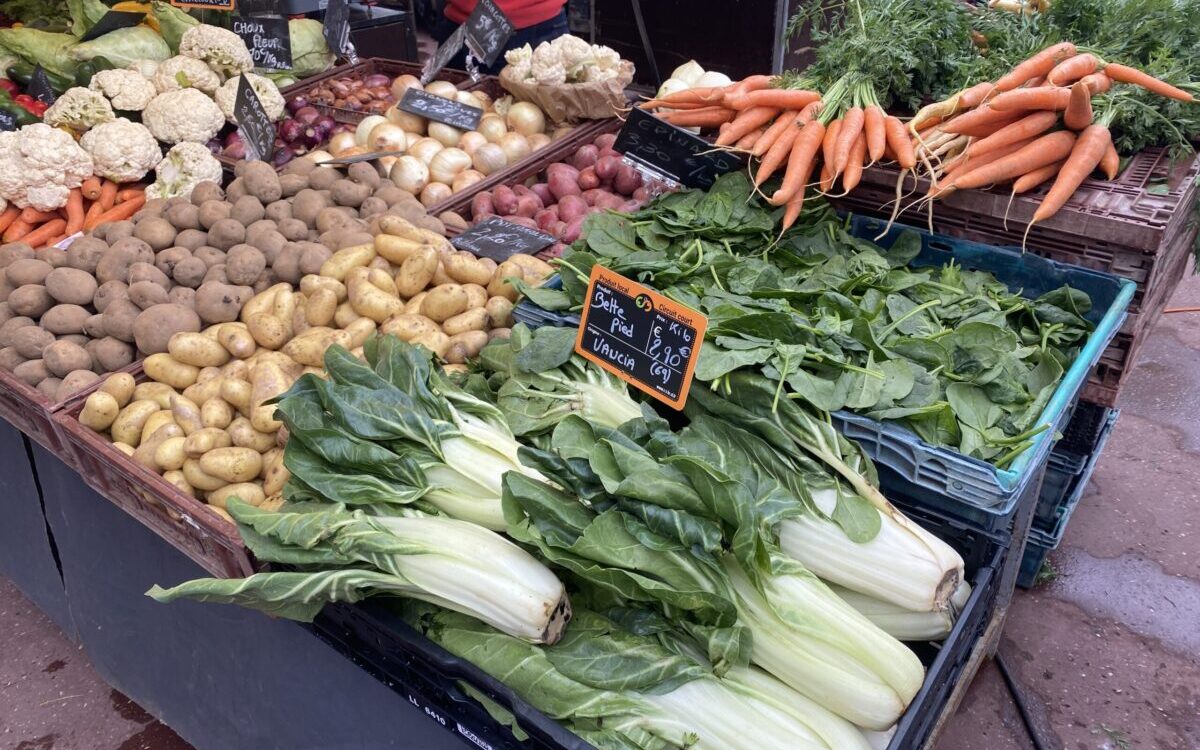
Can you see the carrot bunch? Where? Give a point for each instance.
(96, 201)
(1045, 120)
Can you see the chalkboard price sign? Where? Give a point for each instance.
(488, 30)
(440, 109)
(111, 21)
(255, 125)
(39, 86)
(268, 39)
(673, 152)
(499, 240)
(224, 5)
(337, 29)
(642, 337)
(444, 54)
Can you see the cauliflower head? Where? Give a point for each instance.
(181, 72)
(145, 67)
(121, 151)
(79, 109)
(39, 165)
(184, 167)
(184, 115)
(266, 90)
(572, 51)
(223, 50)
(125, 89)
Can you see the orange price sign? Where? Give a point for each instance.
(642, 337)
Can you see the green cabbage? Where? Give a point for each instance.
(310, 53)
(123, 46)
(50, 50)
(85, 14)
(172, 22)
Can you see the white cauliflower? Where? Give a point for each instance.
(572, 51)
(39, 165)
(266, 90)
(125, 89)
(79, 109)
(518, 55)
(605, 58)
(184, 167)
(549, 74)
(223, 50)
(184, 115)
(181, 72)
(121, 151)
(145, 67)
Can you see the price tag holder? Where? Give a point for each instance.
(488, 31)
(268, 39)
(223, 5)
(672, 152)
(111, 21)
(444, 54)
(336, 29)
(7, 122)
(440, 109)
(499, 240)
(39, 86)
(642, 337)
(359, 157)
(256, 127)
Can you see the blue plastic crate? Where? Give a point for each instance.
(1068, 458)
(1042, 543)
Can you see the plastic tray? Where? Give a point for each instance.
(32, 413)
(181, 520)
(1042, 542)
(428, 676)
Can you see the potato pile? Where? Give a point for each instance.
(67, 316)
(201, 422)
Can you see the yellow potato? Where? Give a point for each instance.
(244, 435)
(273, 503)
(149, 446)
(127, 427)
(247, 492)
(499, 310)
(198, 478)
(205, 440)
(408, 327)
(345, 315)
(176, 478)
(237, 369)
(156, 420)
(201, 392)
(236, 340)
(120, 386)
(396, 249)
(309, 348)
(164, 368)
(535, 270)
(212, 371)
(440, 276)
(216, 413)
(285, 308)
(125, 448)
(369, 300)
(340, 263)
(475, 319)
(413, 306)
(197, 350)
(477, 296)
(320, 307)
(277, 475)
(220, 513)
(465, 268)
(232, 464)
(444, 302)
(498, 287)
(157, 392)
(416, 272)
(236, 393)
(263, 302)
(187, 414)
(268, 331)
(464, 346)
(99, 411)
(398, 226)
(499, 333)
(169, 455)
(267, 380)
(310, 284)
(359, 331)
(435, 341)
(382, 280)
(489, 264)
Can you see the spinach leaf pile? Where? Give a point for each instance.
(841, 322)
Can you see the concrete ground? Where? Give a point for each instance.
(1106, 656)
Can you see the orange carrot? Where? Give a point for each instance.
(1030, 180)
(752, 83)
(781, 125)
(852, 125)
(1126, 74)
(108, 195)
(74, 212)
(16, 230)
(1042, 97)
(974, 96)
(831, 136)
(1085, 156)
(795, 205)
(776, 98)
(1045, 150)
(747, 141)
(977, 117)
(118, 212)
(1027, 127)
(826, 181)
(800, 162)
(873, 118)
(854, 166)
(1038, 65)
(746, 121)
(705, 117)
(1111, 163)
(1078, 114)
(899, 142)
(1097, 83)
(38, 237)
(778, 153)
(91, 188)
(1072, 69)
(8, 216)
(965, 161)
(703, 95)
(33, 216)
(92, 212)
(930, 123)
(130, 191)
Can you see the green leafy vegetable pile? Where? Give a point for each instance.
(843, 323)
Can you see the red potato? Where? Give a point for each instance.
(524, 221)
(585, 157)
(590, 196)
(572, 230)
(606, 141)
(523, 191)
(627, 180)
(572, 207)
(641, 194)
(565, 170)
(542, 191)
(630, 206)
(607, 166)
(561, 186)
(556, 230)
(505, 200)
(554, 251)
(528, 206)
(482, 206)
(588, 178)
(609, 200)
(545, 217)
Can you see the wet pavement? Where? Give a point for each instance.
(1106, 656)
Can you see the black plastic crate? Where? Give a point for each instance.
(374, 636)
(1069, 459)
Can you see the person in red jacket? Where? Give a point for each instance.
(535, 21)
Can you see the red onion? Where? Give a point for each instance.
(282, 156)
(235, 150)
(232, 138)
(299, 102)
(375, 80)
(307, 115)
(291, 130)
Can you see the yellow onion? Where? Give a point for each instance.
(443, 89)
(409, 173)
(471, 140)
(435, 192)
(406, 120)
(538, 141)
(489, 158)
(342, 141)
(492, 127)
(447, 163)
(526, 118)
(516, 147)
(404, 82)
(425, 149)
(387, 136)
(365, 127)
(465, 179)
